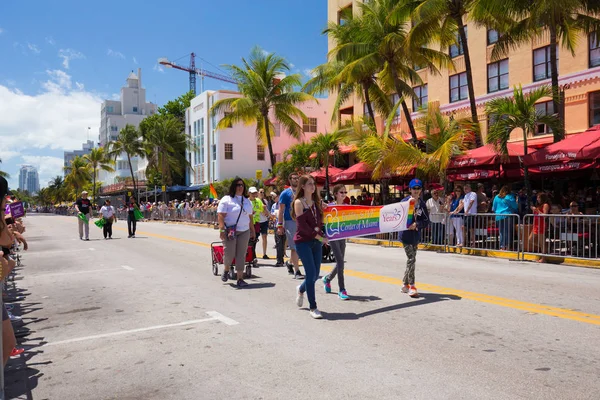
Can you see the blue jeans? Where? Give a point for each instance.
(310, 254)
(506, 228)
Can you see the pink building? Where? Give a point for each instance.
(235, 151)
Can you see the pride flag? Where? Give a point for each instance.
(344, 221)
(212, 193)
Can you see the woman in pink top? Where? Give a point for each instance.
(538, 233)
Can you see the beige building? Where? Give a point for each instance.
(528, 66)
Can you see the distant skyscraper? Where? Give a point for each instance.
(70, 155)
(29, 179)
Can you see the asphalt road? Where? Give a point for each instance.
(145, 318)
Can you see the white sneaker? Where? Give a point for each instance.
(413, 292)
(299, 297)
(405, 289)
(316, 314)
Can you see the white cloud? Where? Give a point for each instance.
(48, 167)
(50, 40)
(10, 82)
(135, 61)
(69, 54)
(158, 68)
(34, 49)
(116, 54)
(309, 73)
(55, 119)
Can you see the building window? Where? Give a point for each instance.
(394, 99)
(594, 102)
(214, 151)
(109, 109)
(458, 87)
(422, 97)
(310, 125)
(594, 50)
(541, 63)
(492, 36)
(344, 14)
(260, 152)
(202, 125)
(498, 76)
(229, 151)
(135, 109)
(545, 108)
(277, 157)
(114, 128)
(457, 49)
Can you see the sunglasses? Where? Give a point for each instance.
(416, 188)
(239, 184)
(342, 192)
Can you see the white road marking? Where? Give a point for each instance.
(220, 317)
(119, 333)
(89, 271)
(127, 267)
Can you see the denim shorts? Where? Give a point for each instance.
(290, 232)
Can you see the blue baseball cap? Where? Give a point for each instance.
(414, 183)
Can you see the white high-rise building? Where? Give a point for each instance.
(29, 179)
(131, 109)
(86, 148)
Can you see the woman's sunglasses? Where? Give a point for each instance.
(239, 184)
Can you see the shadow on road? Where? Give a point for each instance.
(20, 377)
(425, 298)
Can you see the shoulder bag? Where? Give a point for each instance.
(230, 230)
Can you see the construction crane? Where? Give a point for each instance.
(195, 71)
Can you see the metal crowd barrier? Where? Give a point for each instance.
(560, 235)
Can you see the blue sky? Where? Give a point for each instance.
(61, 59)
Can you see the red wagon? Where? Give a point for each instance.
(216, 254)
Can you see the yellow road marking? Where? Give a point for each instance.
(563, 313)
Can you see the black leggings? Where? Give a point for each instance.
(107, 229)
(131, 224)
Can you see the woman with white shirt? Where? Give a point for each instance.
(109, 215)
(237, 228)
(437, 216)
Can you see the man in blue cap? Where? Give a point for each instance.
(411, 237)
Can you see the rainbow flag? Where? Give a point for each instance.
(342, 222)
(212, 193)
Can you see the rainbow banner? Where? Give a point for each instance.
(342, 222)
(212, 193)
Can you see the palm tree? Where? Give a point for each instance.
(4, 174)
(444, 139)
(130, 143)
(566, 21)
(444, 18)
(165, 144)
(296, 158)
(333, 77)
(57, 189)
(264, 92)
(324, 143)
(79, 175)
(98, 160)
(44, 197)
(519, 112)
(386, 40)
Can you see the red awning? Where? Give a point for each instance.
(487, 156)
(319, 175)
(271, 181)
(342, 149)
(361, 173)
(575, 152)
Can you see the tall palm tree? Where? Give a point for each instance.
(79, 175)
(264, 92)
(519, 112)
(444, 19)
(386, 40)
(4, 174)
(130, 143)
(324, 143)
(44, 197)
(98, 159)
(165, 144)
(333, 77)
(566, 21)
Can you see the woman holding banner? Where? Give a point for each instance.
(339, 250)
(308, 212)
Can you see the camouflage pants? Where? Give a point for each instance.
(411, 259)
